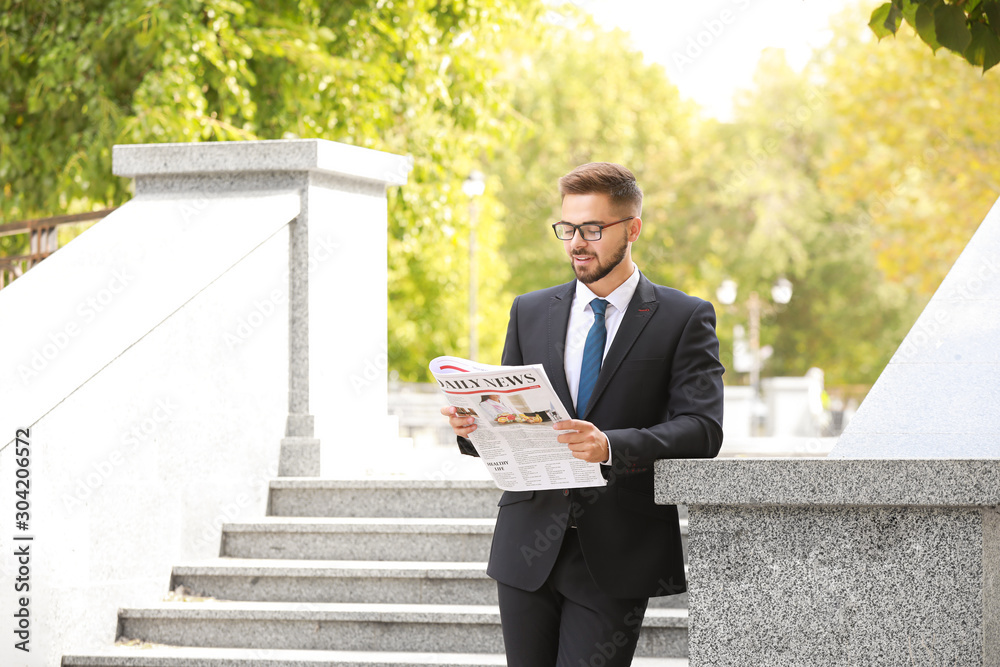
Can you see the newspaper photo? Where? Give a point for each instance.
(515, 408)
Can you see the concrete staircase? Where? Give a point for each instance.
(349, 573)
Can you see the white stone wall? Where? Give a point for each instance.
(150, 359)
(136, 470)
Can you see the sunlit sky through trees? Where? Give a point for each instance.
(711, 48)
(858, 175)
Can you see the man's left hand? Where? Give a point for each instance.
(587, 442)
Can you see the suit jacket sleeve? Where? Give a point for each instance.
(511, 346)
(692, 427)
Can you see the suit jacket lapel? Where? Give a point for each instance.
(638, 313)
(558, 322)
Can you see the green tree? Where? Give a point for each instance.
(760, 176)
(968, 28)
(882, 175)
(907, 161)
(584, 94)
(735, 200)
(406, 76)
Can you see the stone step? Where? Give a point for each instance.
(405, 582)
(356, 627)
(442, 539)
(348, 581)
(311, 497)
(184, 656)
(365, 538)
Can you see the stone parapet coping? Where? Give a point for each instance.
(298, 155)
(823, 481)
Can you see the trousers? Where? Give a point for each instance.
(569, 622)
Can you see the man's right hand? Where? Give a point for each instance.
(462, 425)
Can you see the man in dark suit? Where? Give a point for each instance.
(638, 366)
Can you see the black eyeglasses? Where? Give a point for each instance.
(589, 231)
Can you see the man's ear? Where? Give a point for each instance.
(634, 227)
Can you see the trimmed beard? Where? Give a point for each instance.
(588, 275)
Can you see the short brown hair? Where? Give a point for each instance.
(607, 178)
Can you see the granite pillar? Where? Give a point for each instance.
(887, 552)
(342, 197)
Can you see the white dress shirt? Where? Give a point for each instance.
(581, 318)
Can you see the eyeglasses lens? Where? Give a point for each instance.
(565, 232)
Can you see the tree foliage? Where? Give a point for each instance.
(859, 179)
(779, 224)
(838, 177)
(908, 162)
(405, 76)
(898, 175)
(741, 200)
(968, 28)
(583, 94)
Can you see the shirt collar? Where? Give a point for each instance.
(620, 298)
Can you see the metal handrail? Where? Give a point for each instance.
(43, 241)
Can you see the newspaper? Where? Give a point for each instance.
(515, 408)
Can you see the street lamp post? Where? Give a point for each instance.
(753, 308)
(781, 294)
(474, 186)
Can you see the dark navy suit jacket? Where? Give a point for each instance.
(659, 395)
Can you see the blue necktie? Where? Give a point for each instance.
(593, 354)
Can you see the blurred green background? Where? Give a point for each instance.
(858, 177)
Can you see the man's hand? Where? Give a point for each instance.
(587, 443)
(462, 425)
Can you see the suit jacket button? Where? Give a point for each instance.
(565, 492)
